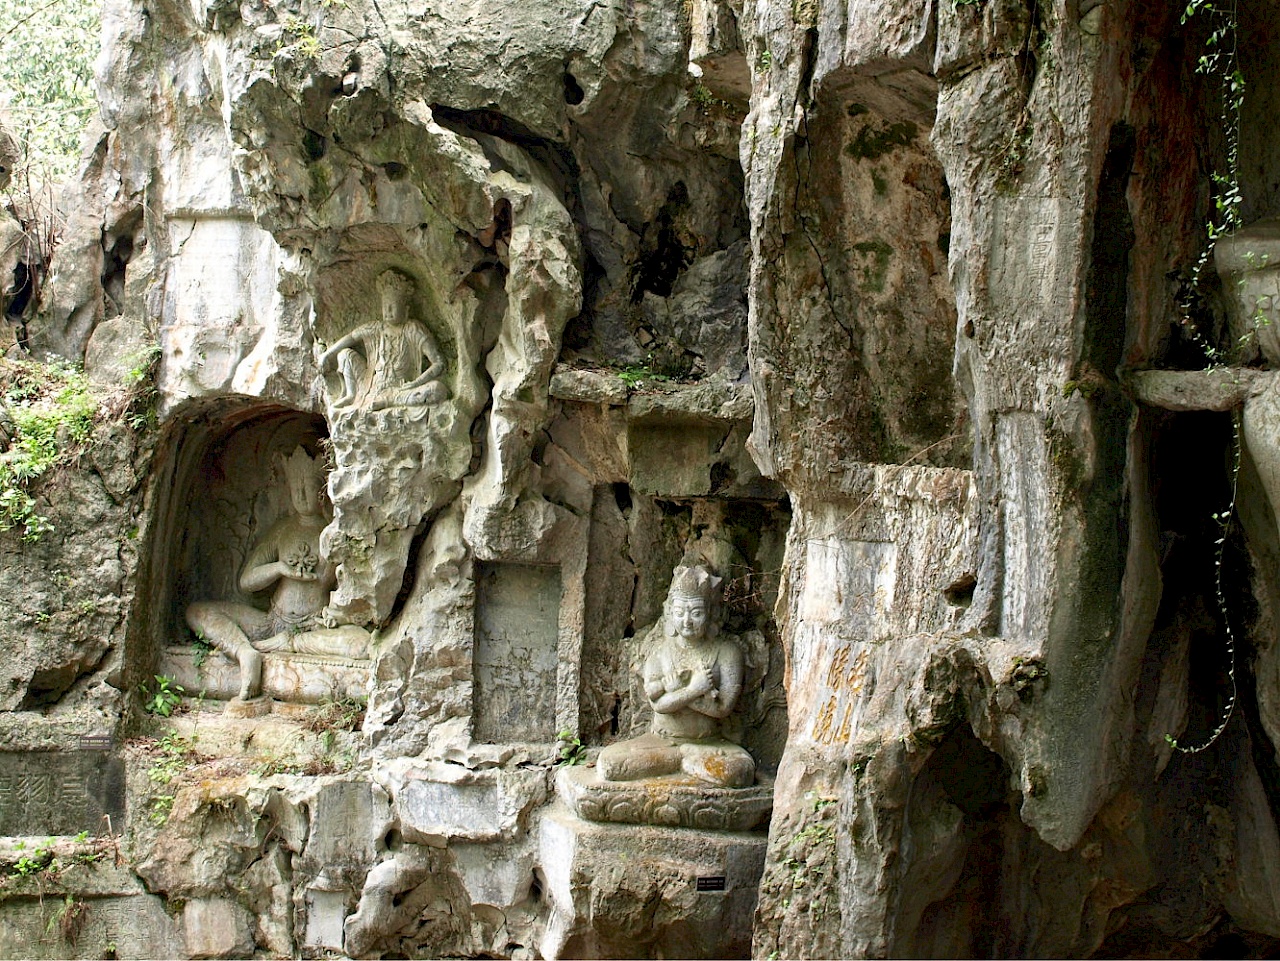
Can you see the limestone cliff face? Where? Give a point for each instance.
(840, 296)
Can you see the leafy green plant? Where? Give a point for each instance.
(705, 100)
(166, 696)
(572, 751)
(138, 403)
(68, 919)
(42, 864)
(144, 366)
(39, 859)
(637, 375)
(202, 649)
(159, 808)
(47, 51)
(302, 38)
(93, 856)
(174, 754)
(52, 412)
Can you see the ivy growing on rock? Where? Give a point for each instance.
(1220, 65)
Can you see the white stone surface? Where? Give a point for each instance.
(449, 801)
(216, 928)
(494, 874)
(1248, 261)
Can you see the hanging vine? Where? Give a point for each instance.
(1221, 63)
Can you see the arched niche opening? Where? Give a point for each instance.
(214, 489)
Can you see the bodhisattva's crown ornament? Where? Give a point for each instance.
(301, 466)
(696, 581)
(392, 281)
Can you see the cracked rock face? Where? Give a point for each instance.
(868, 305)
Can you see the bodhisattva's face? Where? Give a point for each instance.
(688, 617)
(395, 306)
(304, 491)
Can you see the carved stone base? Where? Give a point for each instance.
(254, 707)
(673, 801)
(637, 891)
(303, 678)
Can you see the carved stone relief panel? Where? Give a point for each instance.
(57, 792)
(516, 656)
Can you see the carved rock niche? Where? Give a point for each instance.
(228, 491)
(401, 392)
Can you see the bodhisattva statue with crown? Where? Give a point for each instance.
(692, 678)
(288, 558)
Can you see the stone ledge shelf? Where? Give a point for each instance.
(676, 801)
(706, 400)
(1218, 389)
(301, 678)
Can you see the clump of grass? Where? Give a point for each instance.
(335, 714)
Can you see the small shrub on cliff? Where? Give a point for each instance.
(572, 751)
(164, 698)
(49, 414)
(335, 714)
(28, 865)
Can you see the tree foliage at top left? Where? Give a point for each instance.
(47, 51)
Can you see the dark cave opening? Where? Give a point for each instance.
(664, 254)
(966, 921)
(1202, 610)
(1190, 468)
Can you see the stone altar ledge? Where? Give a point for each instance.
(675, 800)
(302, 678)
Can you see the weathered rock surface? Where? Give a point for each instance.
(873, 306)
